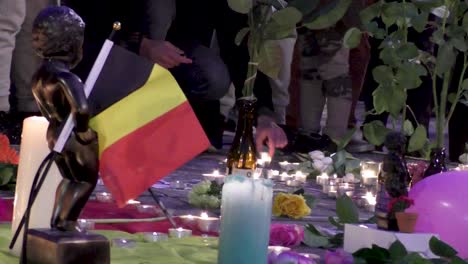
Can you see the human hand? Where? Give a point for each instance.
(163, 53)
(269, 133)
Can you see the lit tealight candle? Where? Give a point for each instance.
(133, 202)
(284, 176)
(299, 176)
(214, 176)
(147, 208)
(179, 232)
(104, 197)
(85, 225)
(208, 224)
(178, 185)
(371, 200)
(369, 177)
(293, 183)
(188, 219)
(155, 236)
(264, 159)
(278, 249)
(322, 179)
(123, 243)
(273, 174)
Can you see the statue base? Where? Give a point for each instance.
(53, 246)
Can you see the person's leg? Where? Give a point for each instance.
(280, 85)
(25, 61)
(204, 82)
(12, 13)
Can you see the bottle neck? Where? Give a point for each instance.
(246, 119)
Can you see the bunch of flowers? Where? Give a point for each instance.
(8, 163)
(289, 257)
(400, 204)
(290, 205)
(321, 162)
(286, 235)
(206, 195)
(339, 163)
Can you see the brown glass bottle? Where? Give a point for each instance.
(242, 158)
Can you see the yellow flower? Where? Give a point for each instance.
(291, 205)
(278, 202)
(296, 207)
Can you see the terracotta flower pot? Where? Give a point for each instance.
(406, 221)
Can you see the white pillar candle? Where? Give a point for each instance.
(33, 150)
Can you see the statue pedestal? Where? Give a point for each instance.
(61, 247)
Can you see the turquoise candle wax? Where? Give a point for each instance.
(245, 220)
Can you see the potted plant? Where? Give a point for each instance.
(405, 220)
(269, 21)
(405, 64)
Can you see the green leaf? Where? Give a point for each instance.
(344, 141)
(312, 239)
(332, 220)
(352, 38)
(371, 12)
(451, 97)
(419, 21)
(465, 22)
(304, 6)
(346, 210)
(414, 258)
(388, 56)
(375, 132)
(465, 85)
(408, 128)
(6, 173)
(441, 249)
(407, 51)
(445, 59)
(311, 200)
(373, 29)
(383, 74)
(408, 75)
(270, 59)
(391, 12)
(427, 5)
(418, 139)
(389, 99)
(327, 15)
(375, 254)
(274, 31)
(458, 260)
(240, 6)
(241, 35)
(397, 250)
(337, 240)
(288, 17)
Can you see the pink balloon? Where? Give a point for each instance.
(441, 201)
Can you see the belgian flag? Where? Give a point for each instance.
(145, 125)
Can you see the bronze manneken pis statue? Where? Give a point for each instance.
(58, 34)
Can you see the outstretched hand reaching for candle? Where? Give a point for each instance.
(269, 133)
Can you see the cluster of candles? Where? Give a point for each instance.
(204, 222)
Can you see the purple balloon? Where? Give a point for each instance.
(441, 201)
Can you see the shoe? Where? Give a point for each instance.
(303, 143)
(359, 146)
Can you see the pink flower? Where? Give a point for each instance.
(338, 257)
(286, 235)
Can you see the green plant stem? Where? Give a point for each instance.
(252, 66)
(412, 114)
(459, 90)
(403, 117)
(440, 121)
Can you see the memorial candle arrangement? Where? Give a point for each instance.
(245, 220)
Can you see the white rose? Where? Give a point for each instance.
(327, 160)
(316, 155)
(464, 158)
(349, 177)
(318, 165)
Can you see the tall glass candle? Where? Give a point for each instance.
(33, 150)
(245, 220)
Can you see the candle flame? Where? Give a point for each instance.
(204, 215)
(180, 229)
(371, 199)
(216, 173)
